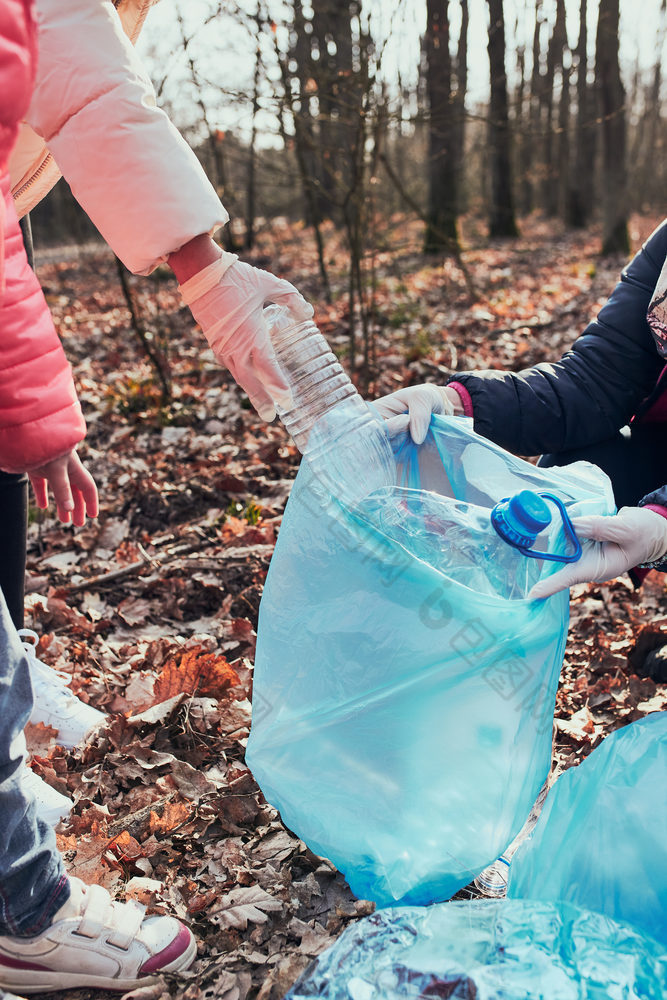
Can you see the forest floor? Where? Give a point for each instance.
(152, 608)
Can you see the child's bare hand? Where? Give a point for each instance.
(73, 487)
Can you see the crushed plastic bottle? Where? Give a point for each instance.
(488, 950)
(497, 552)
(344, 442)
(457, 539)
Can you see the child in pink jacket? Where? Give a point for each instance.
(40, 417)
(55, 932)
(93, 116)
(40, 422)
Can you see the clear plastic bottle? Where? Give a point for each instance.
(344, 442)
(455, 538)
(494, 879)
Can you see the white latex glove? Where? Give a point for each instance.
(625, 540)
(227, 299)
(412, 408)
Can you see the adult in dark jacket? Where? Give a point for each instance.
(605, 401)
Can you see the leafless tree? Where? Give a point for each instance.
(611, 95)
(554, 69)
(582, 177)
(502, 220)
(444, 106)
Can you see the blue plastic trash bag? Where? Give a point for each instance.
(491, 950)
(601, 839)
(401, 718)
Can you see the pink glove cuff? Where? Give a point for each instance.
(643, 569)
(464, 395)
(206, 279)
(656, 508)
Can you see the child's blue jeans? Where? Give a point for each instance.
(33, 883)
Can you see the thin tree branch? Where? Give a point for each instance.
(452, 247)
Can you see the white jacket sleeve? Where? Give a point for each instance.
(128, 167)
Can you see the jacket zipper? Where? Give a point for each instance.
(31, 180)
(143, 11)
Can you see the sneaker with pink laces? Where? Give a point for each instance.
(98, 943)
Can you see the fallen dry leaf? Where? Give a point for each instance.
(40, 738)
(244, 905)
(196, 671)
(173, 815)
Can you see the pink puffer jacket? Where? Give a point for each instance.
(93, 117)
(40, 417)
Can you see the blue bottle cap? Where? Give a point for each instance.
(519, 519)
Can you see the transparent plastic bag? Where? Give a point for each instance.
(494, 950)
(401, 718)
(601, 839)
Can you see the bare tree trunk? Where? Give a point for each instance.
(563, 171)
(648, 166)
(252, 153)
(580, 200)
(650, 126)
(324, 71)
(612, 107)
(398, 146)
(461, 70)
(442, 156)
(532, 151)
(502, 221)
(301, 147)
(303, 117)
(303, 131)
(354, 206)
(411, 203)
(333, 71)
(554, 63)
(522, 134)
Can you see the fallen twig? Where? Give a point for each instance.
(133, 568)
(135, 822)
(155, 562)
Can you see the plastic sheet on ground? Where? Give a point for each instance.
(601, 839)
(494, 950)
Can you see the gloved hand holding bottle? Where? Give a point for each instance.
(227, 299)
(636, 536)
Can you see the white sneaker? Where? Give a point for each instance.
(55, 705)
(96, 942)
(51, 805)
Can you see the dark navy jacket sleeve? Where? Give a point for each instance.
(594, 389)
(658, 497)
